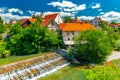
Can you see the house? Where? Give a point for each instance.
(51, 21)
(12, 22)
(26, 22)
(70, 30)
(96, 21)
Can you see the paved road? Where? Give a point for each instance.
(114, 55)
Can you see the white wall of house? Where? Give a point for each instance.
(58, 19)
(95, 22)
(53, 26)
(68, 37)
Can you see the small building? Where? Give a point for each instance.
(70, 30)
(12, 22)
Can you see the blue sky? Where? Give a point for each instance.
(85, 9)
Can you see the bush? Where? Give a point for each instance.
(93, 46)
(118, 45)
(103, 73)
(6, 53)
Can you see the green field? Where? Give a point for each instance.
(12, 59)
(110, 71)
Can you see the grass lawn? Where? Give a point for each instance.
(71, 72)
(12, 59)
(76, 72)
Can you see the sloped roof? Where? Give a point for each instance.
(48, 18)
(75, 21)
(32, 20)
(22, 20)
(76, 26)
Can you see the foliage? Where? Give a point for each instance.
(113, 36)
(112, 32)
(16, 29)
(118, 45)
(103, 73)
(32, 39)
(113, 22)
(3, 51)
(6, 53)
(93, 46)
(103, 25)
(67, 19)
(2, 27)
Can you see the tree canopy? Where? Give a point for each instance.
(93, 46)
(32, 39)
(67, 19)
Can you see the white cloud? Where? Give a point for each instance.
(102, 13)
(3, 9)
(97, 5)
(15, 10)
(99, 10)
(8, 16)
(31, 12)
(110, 16)
(68, 6)
(62, 4)
(81, 7)
(86, 17)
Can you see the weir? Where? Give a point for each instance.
(32, 69)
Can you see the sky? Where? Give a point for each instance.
(108, 10)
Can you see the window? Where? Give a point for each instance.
(52, 24)
(73, 33)
(68, 38)
(68, 33)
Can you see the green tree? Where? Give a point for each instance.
(16, 29)
(33, 39)
(67, 19)
(103, 25)
(2, 27)
(113, 22)
(93, 46)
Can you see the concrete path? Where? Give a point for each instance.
(114, 55)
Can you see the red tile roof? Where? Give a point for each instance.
(22, 21)
(76, 26)
(48, 18)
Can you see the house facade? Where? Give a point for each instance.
(96, 21)
(51, 21)
(70, 30)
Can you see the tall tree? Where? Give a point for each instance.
(67, 19)
(2, 26)
(113, 22)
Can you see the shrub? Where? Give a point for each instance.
(93, 46)
(6, 53)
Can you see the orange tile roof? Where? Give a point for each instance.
(48, 18)
(76, 26)
(32, 20)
